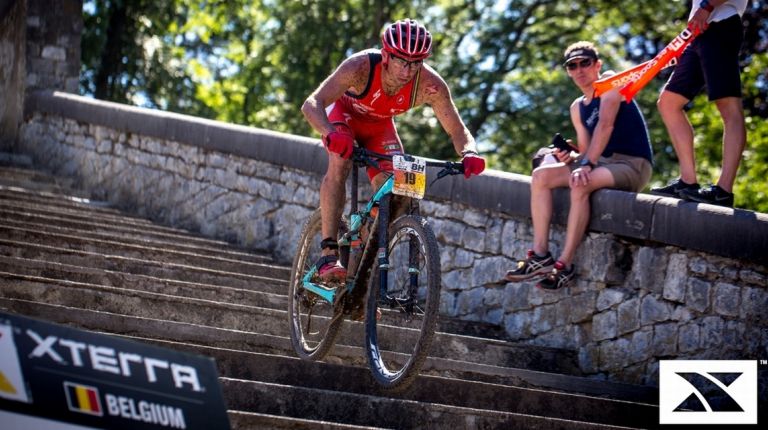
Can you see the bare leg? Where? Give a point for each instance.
(578, 216)
(734, 139)
(680, 132)
(333, 195)
(544, 179)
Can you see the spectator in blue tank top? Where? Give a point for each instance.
(614, 151)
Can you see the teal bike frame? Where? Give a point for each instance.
(380, 198)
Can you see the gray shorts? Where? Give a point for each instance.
(629, 173)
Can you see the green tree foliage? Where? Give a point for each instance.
(254, 62)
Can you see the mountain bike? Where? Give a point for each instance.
(392, 259)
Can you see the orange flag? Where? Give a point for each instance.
(635, 78)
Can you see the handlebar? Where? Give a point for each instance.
(363, 156)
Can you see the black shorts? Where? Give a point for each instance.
(711, 61)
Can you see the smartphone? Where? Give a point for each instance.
(559, 142)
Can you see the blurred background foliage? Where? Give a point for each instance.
(253, 62)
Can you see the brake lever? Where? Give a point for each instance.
(450, 170)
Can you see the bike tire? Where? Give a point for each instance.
(305, 309)
(398, 344)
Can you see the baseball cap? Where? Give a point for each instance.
(579, 53)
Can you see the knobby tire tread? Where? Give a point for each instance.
(312, 226)
(411, 370)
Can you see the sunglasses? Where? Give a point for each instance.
(573, 65)
(403, 63)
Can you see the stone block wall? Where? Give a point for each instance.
(39, 49)
(635, 301)
(12, 67)
(53, 44)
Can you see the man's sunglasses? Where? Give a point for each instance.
(573, 65)
(402, 62)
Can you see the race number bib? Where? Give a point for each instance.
(410, 176)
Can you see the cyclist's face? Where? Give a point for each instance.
(402, 68)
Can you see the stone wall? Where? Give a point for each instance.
(39, 49)
(54, 29)
(12, 52)
(637, 299)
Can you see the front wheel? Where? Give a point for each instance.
(398, 343)
(314, 322)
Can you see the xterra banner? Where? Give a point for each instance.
(55, 377)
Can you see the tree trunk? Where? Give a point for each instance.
(110, 66)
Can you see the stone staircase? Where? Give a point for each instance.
(69, 260)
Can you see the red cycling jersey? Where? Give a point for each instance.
(368, 116)
(374, 104)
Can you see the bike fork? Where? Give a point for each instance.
(413, 274)
(382, 254)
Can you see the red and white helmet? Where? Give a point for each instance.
(407, 39)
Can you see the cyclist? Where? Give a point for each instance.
(358, 102)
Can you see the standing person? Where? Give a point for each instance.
(615, 150)
(358, 101)
(711, 61)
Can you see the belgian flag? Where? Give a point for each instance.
(83, 398)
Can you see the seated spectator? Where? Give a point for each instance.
(614, 151)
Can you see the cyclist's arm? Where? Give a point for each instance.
(351, 74)
(435, 93)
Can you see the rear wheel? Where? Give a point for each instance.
(314, 322)
(398, 343)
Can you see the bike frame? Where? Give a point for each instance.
(380, 199)
(364, 246)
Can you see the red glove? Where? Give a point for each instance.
(339, 143)
(473, 164)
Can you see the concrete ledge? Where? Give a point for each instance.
(734, 233)
(279, 148)
(727, 232)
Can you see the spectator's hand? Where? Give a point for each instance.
(339, 143)
(580, 177)
(562, 156)
(698, 22)
(473, 164)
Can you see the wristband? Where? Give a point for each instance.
(706, 5)
(468, 151)
(585, 162)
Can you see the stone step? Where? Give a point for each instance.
(427, 389)
(240, 420)
(70, 260)
(269, 295)
(26, 218)
(209, 313)
(71, 204)
(273, 322)
(129, 250)
(143, 266)
(503, 353)
(142, 304)
(345, 380)
(236, 340)
(12, 161)
(345, 407)
(84, 210)
(32, 179)
(256, 295)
